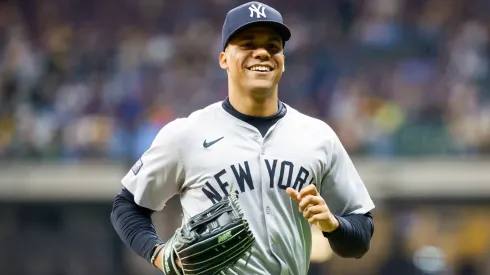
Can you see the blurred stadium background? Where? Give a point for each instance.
(85, 85)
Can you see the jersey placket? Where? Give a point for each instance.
(263, 189)
(268, 214)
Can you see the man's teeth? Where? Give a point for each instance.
(260, 68)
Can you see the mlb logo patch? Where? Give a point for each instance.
(137, 167)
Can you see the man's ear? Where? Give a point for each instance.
(223, 61)
(283, 63)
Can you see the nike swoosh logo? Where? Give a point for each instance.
(208, 144)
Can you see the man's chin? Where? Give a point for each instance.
(262, 89)
(261, 85)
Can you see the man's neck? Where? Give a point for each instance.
(249, 105)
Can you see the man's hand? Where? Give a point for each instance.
(314, 208)
(159, 260)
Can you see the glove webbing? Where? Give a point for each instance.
(244, 246)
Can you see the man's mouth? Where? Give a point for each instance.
(260, 68)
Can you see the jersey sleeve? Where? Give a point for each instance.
(158, 175)
(341, 187)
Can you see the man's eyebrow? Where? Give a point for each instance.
(276, 39)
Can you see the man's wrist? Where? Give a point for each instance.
(155, 257)
(336, 228)
(335, 223)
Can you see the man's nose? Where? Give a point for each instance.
(261, 53)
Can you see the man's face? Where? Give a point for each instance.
(254, 59)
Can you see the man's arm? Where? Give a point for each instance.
(352, 238)
(348, 199)
(148, 185)
(134, 225)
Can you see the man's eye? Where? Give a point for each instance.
(247, 45)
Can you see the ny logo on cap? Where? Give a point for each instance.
(258, 10)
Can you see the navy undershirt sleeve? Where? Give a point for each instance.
(134, 225)
(352, 238)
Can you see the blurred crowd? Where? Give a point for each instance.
(98, 79)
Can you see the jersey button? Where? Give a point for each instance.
(268, 210)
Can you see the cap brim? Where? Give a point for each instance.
(278, 27)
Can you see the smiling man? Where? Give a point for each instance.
(282, 171)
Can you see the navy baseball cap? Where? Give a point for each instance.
(251, 14)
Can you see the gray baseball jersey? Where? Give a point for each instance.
(211, 153)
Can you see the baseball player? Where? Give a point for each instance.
(288, 170)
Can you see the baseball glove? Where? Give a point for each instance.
(210, 242)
